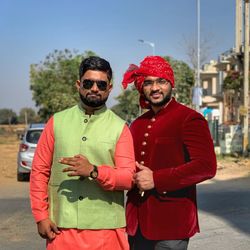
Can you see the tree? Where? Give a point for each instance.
(128, 105)
(53, 81)
(28, 115)
(233, 80)
(232, 91)
(190, 49)
(184, 80)
(8, 116)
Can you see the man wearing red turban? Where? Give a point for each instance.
(174, 151)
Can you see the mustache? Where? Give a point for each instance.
(155, 92)
(93, 94)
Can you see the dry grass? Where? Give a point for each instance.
(228, 168)
(9, 143)
(8, 155)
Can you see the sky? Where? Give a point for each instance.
(31, 29)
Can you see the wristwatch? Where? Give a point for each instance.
(94, 173)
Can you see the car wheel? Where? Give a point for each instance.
(20, 177)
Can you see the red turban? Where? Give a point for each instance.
(151, 66)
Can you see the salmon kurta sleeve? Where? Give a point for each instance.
(40, 173)
(118, 177)
(121, 176)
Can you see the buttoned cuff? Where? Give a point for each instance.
(161, 180)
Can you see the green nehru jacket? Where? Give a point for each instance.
(79, 202)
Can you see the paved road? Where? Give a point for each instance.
(17, 227)
(224, 208)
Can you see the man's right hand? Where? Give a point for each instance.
(47, 229)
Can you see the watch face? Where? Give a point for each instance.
(94, 174)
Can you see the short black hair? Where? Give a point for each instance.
(95, 63)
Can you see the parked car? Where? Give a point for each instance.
(27, 149)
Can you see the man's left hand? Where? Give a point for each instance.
(144, 178)
(79, 165)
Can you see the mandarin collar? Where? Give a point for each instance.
(96, 112)
(165, 109)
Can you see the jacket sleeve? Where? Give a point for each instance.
(121, 176)
(202, 161)
(40, 173)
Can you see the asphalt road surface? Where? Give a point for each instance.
(224, 209)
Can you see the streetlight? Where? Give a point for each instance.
(150, 44)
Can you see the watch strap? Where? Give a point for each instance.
(94, 173)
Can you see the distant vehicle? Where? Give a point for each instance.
(26, 150)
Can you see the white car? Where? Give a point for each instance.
(27, 149)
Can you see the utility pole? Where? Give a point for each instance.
(246, 76)
(197, 90)
(238, 26)
(198, 44)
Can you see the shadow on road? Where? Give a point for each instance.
(229, 200)
(17, 228)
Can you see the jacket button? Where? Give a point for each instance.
(164, 192)
(149, 126)
(144, 143)
(84, 138)
(142, 162)
(146, 134)
(85, 120)
(80, 198)
(153, 119)
(142, 153)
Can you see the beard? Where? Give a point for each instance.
(94, 103)
(164, 101)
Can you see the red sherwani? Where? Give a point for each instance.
(176, 144)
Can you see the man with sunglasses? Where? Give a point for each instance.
(83, 163)
(174, 151)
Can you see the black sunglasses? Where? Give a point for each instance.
(88, 84)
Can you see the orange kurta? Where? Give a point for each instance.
(118, 178)
(75, 239)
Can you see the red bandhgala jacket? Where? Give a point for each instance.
(176, 145)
